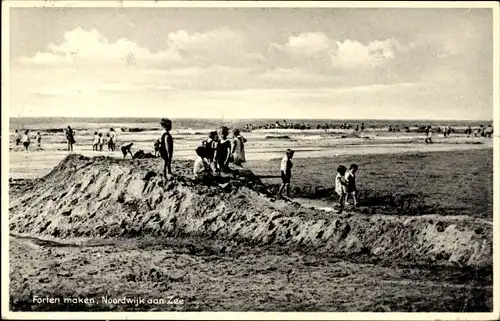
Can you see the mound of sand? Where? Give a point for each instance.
(109, 198)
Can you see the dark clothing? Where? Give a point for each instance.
(26, 144)
(166, 146)
(69, 136)
(18, 141)
(223, 151)
(285, 178)
(351, 183)
(210, 147)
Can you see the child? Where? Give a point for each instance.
(38, 139)
(223, 150)
(350, 177)
(210, 145)
(238, 148)
(156, 146)
(101, 142)
(18, 138)
(112, 137)
(70, 137)
(96, 141)
(286, 172)
(341, 186)
(428, 135)
(201, 164)
(109, 142)
(126, 150)
(26, 140)
(166, 147)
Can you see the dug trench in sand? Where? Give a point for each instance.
(108, 198)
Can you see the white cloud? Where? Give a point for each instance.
(305, 44)
(351, 54)
(82, 47)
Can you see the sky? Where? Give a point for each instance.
(332, 63)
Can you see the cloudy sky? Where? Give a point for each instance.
(252, 62)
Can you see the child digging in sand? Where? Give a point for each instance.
(350, 177)
(201, 169)
(286, 172)
(341, 186)
(126, 149)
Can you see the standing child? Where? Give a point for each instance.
(112, 136)
(109, 142)
(341, 186)
(156, 147)
(286, 172)
(223, 150)
(26, 140)
(238, 148)
(166, 147)
(96, 141)
(18, 138)
(101, 142)
(38, 139)
(350, 177)
(428, 135)
(70, 137)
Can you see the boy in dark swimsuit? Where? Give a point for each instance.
(166, 147)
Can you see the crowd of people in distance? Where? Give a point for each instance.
(25, 139)
(302, 126)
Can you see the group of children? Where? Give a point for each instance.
(99, 141)
(25, 139)
(217, 151)
(345, 181)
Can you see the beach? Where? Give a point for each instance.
(114, 228)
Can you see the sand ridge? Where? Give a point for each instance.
(109, 198)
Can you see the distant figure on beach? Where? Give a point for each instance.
(341, 186)
(201, 167)
(156, 147)
(17, 138)
(101, 142)
(357, 128)
(428, 135)
(26, 140)
(489, 131)
(112, 136)
(286, 172)
(70, 137)
(38, 139)
(350, 177)
(166, 147)
(390, 128)
(108, 137)
(223, 150)
(238, 150)
(96, 141)
(468, 131)
(126, 149)
(482, 131)
(362, 126)
(476, 132)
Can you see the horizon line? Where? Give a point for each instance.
(253, 118)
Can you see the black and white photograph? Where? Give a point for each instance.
(250, 157)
